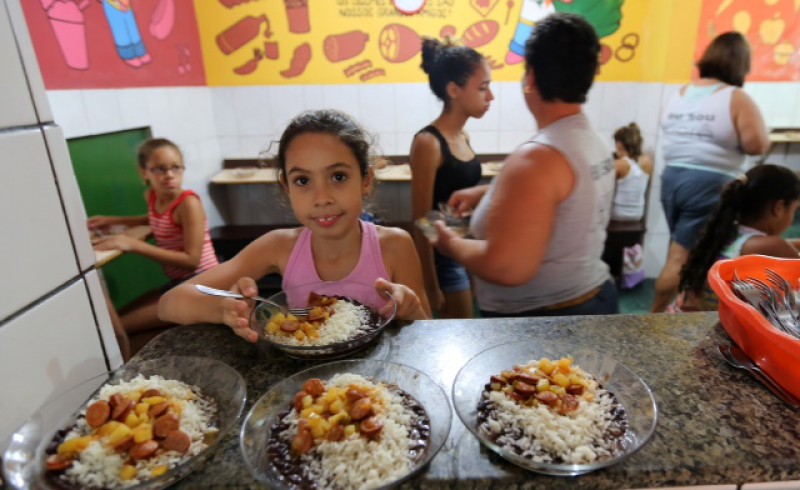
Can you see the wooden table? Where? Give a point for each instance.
(716, 425)
(103, 257)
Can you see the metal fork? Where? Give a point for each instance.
(785, 287)
(298, 312)
(747, 292)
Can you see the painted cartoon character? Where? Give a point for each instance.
(127, 39)
(604, 15)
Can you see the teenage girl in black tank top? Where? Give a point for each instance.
(453, 174)
(458, 76)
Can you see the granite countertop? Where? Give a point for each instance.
(716, 424)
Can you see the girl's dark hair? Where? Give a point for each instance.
(727, 58)
(742, 201)
(564, 52)
(631, 139)
(327, 121)
(148, 147)
(445, 63)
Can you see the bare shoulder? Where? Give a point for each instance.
(392, 237)
(773, 246)
(646, 163)
(535, 158)
(424, 147)
(270, 252)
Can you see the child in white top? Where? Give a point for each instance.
(633, 174)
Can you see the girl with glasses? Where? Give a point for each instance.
(178, 222)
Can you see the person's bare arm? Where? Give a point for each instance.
(622, 167)
(104, 221)
(425, 161)
(185, 305)
(749, 124)
(191, 216)
(535, 179)
(403, 264)
(773, 246)
(646, 164)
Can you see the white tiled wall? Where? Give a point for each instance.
(211, 124)
(54, 325)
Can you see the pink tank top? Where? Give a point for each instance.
(169, 236)
(300, 277)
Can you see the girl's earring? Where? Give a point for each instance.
(526, 89)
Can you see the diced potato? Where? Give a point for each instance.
(73, 446)
(120, 434)
(349, 430)
(273, 328)
(154, 400)
(340, 418)
(135, 396)
(319, 427)
(141, 408)
(159, 470)
(143, 433)
(299, 335)
(337, 406)
(132, 420)
(128, 472)
(561, 380)
(546, 365)
(543, 385)
(107, 428)
(558, 390)
(278, 318)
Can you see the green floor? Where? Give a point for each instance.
(639, 299)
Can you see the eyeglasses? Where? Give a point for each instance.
(176, 169)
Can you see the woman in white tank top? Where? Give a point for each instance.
(707, 128)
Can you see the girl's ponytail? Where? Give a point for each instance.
(720, 230)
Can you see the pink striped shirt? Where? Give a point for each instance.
(169, 236)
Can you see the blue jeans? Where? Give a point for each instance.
(605, 303)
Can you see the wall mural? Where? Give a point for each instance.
(115, 43)
(257, 42)
(137, 43)
(771, 26)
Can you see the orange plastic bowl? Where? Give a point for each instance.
(777, 353)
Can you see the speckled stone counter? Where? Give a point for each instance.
(716, 425)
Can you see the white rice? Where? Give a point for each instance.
(358, 463)
(346, 322)
(99, 467)
(544, 436)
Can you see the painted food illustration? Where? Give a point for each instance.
(398, 43)
(348, 432)
(130, 433)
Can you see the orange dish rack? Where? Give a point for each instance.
(776, 352)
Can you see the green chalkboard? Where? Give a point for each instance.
(108, 176)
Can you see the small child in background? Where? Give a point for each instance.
(753, 212)
(177, 220)
(633, 174)
(324, 167)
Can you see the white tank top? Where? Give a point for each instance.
(629, 196)
(572, 264)
(698, 132)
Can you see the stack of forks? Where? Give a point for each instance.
(778, 303)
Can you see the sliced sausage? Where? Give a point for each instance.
(57, 463)
(314, 387)
(158, 410)
(302, 442)
(371, 426)
(124, 445)
(151, 392)
(361, 408)
(123, 408)
(177, 440)
(98, 413)
(143, 450)
(165, 424)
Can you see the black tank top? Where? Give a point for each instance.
(453, 174)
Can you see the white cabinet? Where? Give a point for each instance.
(45, 350)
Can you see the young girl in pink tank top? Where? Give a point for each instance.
(178, 222)
(324, 168)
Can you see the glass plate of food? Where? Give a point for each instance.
(143, 426)
(554, 408)
(342, 318)
(346, 424)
